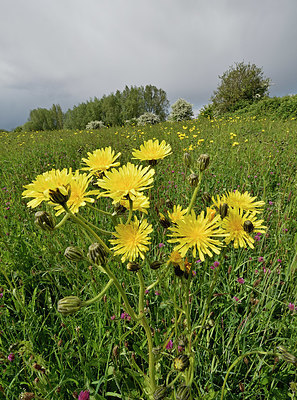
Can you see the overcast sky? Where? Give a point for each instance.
(68, 51)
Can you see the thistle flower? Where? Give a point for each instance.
(101, 160)
(132, 239)
(197, 233)
(128, 182)
(152, 151)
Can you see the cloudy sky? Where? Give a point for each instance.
(68, 51)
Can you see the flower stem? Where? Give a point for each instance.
(99, 210)
(99, 296)
(194, 195)
(62, 222)
(130, 211)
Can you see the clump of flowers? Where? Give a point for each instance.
(187, 235)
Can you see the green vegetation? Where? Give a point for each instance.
(249, 301)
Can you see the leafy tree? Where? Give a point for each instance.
(181, 111)
(148, 118)
(241, 84)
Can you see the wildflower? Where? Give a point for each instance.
(177, 214)
(169, 345)
(197, 233)
(127, 182)
(260, 259)
(157, 293)
(140, 203)
(152, 151)
(243, 201)
(161, 245)
(291, 307)
(132, 239)
(11, 357)
(233, 225)
(101, 160)
(84, 395)
(181, 362)
(113, 317)
(240, 280)
(236, 298)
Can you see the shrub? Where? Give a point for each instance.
(181, 110)
(95, 125)
(148, 118)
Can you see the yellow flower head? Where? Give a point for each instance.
(101, 160)
(176, 260)
(239, 200)
(234, 226)
(132, 239)
(177, 214)
(127, 182)
(152, 151)
(197, 233)
(140, 203)
(39, 188)
(78, 193)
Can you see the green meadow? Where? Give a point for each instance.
(243, 313)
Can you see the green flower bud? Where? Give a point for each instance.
(44, 221)
(133, 266)
(203, 161)
(156, 264)
(181, 362)
(223, 210)
(97, 254)
(73, 253)
(182, 341)
(69, 305)
(286, 356)
(60, 195)
(183, 392)
(248, 226)
(187, 159)
(193, 179)
(160, 393)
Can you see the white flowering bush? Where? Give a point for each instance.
(181, 111)
(148, 118)
(95, 125)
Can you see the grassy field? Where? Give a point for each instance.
(239, 313)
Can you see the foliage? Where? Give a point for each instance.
(181, 110)
(95, 125)
(240, 85)
(42, 119)
(57, 357)
(148, 118)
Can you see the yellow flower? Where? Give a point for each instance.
(78, 193)
(132, 239)
(152, 151)
(234, 226)
(197, 233)
(127, 182)
(240, 200)
(235, 144)
(177, 214)
(39, 188)
(101, 160)
(140, 203)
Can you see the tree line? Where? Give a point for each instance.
(114, 109)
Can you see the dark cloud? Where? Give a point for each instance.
(68, 51)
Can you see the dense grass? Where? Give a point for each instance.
(92, 351)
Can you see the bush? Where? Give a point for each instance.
(148, 118)
(181, 111)
(241, 85)
(95, 125)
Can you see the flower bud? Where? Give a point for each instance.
(97, 254)
(169, 204)
(160, 393)
(248, 226)
(156, 264)
(73, 253)
(133, 266)
(193, 179)
(69, 305)
(187, 159)
(44, 221)
(206, 198)
(60, 195)
(182, 342)
(286, 356)
(203, 161)
(183, 392)
(119, 209)
(164, 221)
(223, 210)
(181, 362)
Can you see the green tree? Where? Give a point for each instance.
(181, 110)
(241, 84)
